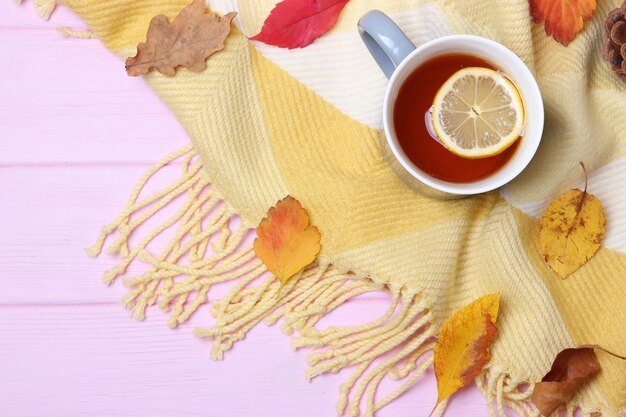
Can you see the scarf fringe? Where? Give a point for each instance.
(398, 345)
(44, 10)
(44, 7)
(78, 34)
(502, 390)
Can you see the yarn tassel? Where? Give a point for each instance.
(45, 8)
(78, 34)
(398, 345)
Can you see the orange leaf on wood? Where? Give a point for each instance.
(570, 370)
(462, 349)
(564, 19)
(188, 41)
(286, 242)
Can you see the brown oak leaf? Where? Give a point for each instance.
(187, 41)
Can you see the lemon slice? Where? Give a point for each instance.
(477, 113)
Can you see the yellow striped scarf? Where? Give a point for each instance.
(267, 122)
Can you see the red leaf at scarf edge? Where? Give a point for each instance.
(297, 23)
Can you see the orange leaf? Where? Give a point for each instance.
(571, 369)
(188, 41)
(563, 18)
(286, 242)
(462, 349)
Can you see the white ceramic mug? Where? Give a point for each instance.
(398, 58)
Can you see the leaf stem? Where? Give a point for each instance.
(581, 203)
(582, 164)
(602, 349)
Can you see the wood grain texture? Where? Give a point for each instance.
(75, 134)
(33, 100)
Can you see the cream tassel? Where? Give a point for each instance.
(78, 34)
(45, 8)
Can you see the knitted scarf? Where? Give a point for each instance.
(265, 122)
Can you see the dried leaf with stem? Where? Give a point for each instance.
(572, 368)
(572, 230)
(187, 41)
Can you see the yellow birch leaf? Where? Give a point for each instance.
(572, 230)
(462, 349)
(286, 242)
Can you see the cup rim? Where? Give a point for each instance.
(483, 185)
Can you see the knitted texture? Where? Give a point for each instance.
(267, 122)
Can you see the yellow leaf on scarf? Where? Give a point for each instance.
(462, 349)
(572, 230)
(286, 242)
(188, 41)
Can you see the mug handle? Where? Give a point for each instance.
(385, 40)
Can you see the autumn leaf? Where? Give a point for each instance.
(297, 23)
(188, 41)
(462, 349)
(572, 230)
(563, 18)
(286, 242)
(570, 370)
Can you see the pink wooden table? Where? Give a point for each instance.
(75, 134)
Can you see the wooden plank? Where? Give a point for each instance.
(24, 14)
(69, 100)
(94, 361)
(49, 216)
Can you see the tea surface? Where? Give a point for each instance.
(411, 109)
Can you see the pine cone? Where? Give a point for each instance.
(614, 49)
